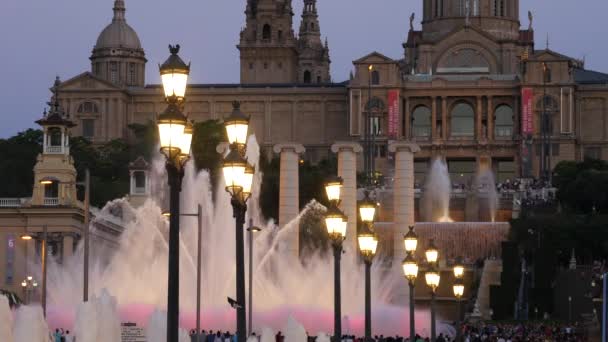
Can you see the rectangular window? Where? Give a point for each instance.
(114, 72)
(132, 74)
(88, 128)
(505, 170)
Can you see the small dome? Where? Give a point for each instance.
(118, 34)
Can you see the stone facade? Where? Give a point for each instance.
(456, 91)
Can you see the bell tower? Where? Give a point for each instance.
(313, 62)
(268, 46)
(54, 172)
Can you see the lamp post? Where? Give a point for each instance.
(199, 216)
(432, 278)
(87, 203)
(336, 223)
(368, 244)
(410, 270)
(458, 288)
(251, 230)
(175, 139)
(238, 175)
(28, 284)
(43, 240)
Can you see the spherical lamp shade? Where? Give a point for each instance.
(432, 254)
(432, 278)
(410, 268)
(335, 222)
(367, 210)
(234, 172)
(171, 125)
(333, 187)
(23, 284)
(458, 288)
(174, 75)
(411, 241)
(248, 181)
(458, 270)
(186, 142)
(237, 125)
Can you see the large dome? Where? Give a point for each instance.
(118, 34)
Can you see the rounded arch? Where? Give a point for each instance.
(307, 76)
(462, 123)
(463, 54)
(503, 121)
(266, 32)
(421, 122)
(376, 104)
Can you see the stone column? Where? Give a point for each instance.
(68, 246)
(403, 208)
(434, 118)
(444, 118)
(347, 169)
(289, 189)
(403, 205)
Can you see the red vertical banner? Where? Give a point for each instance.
(527, 113)
(393, 113)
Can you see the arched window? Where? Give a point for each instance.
(503, 127)
(54, 136)
(266, 31)
(51, 190)
(307, 77)
(463, 120)
(546, 73)
(421, 122)
(88, 107)
(375, 77)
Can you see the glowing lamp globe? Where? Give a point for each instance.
(458, 288)
(432, 278)
(368, 243)
(410, 268)
(234, 167)
(458, 270)
(174, 75)
(410, 241)
(248, 181)
(432, 254)
(186, 141)
(367, 210)
(171, 126)
(237, 125)
(333, 188)
(335, 222)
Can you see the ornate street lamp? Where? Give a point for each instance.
(175, 138)
(410, 271)
(29, 285)
(458, 269)
(368, 243)
(238, 175)
(458, 288)
(410, 240)
(43, 238)
(336, 223)
(432, 277)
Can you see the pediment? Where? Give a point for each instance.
(87, 81)
(374, 58)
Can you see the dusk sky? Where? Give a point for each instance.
(40, 39)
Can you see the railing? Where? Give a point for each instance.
(10, 202)
(51, 201)
(54, 149)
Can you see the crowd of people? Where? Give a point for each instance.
(519, 332)
(61, 335)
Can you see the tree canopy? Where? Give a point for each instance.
(582, 186)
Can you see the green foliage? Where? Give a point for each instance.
(207, 135)
(18, 155)
(313, 234)
(582, 186)
(269, 191)
(146, 139)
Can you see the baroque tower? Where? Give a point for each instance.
(268, 46)
(118, 56)
(313, 57)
